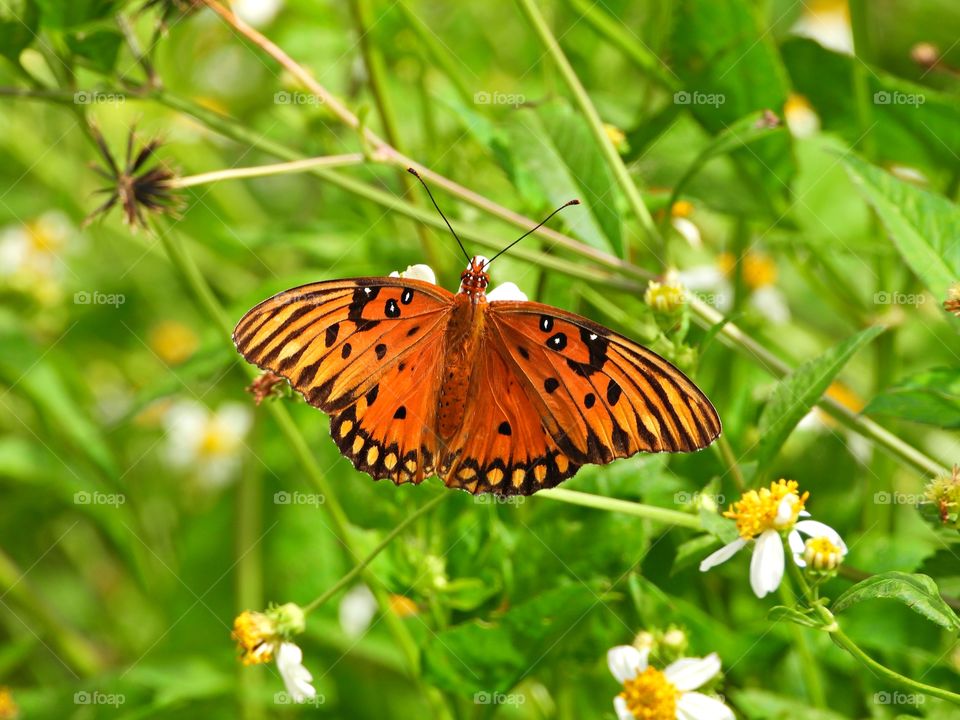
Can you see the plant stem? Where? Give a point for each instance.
(603, 141)
(381, 546)
(294, 166)
(599, 502)
(844, 641)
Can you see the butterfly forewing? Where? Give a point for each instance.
(333, 340)
(609, 397)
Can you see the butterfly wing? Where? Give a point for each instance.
(368, 351)
(606, 397)
(502, 446)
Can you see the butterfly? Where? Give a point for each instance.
(493, 393)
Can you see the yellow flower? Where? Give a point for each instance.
(666, 297)
(617, 138)
(651, 696)
(403, 606)
(758, 269)
(8, 708)
(256, 636)
(822, 554)
(776, 508)
(173, 342)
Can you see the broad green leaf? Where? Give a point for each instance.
(931, 397)
(767, 705)
(799, 391)
(918, 592)
(924, 227)
(489, 655)
(909, 123)
(18, 26)
(730, 68)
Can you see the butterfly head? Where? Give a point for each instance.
(474, 280)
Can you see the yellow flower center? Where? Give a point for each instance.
(758, 270)
(773, 508)
(665, 297)
(255, 636)
(681, 208)
(8, 708)
(650, 696)
(402, 605)
(174, 342)
(821, 554)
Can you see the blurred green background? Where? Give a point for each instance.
(146, 500)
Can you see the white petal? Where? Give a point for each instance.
(691, 673)
(295, 676)
(506, 291)
(697, 706)
(626, 662)
(357, 610)
(814, 528)
(620, 708)
(797, 547)
(771, 303)
(722, 555)
(256, 12)
(687, 230)
(785, 509)
(417, 272)
(234, 419)
(766, 566)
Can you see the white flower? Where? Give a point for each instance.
(829, 24)
(357, 610)
(257, 12)
(648, 692)
(761, 516)
(802, 119)
(417, 272)
(295, 676)
(506, 291)
(208, 443)
(826, 554)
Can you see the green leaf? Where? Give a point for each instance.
(931, 397)
(924, 227)
(489, 655)
(766, 705)
(99, 48)
(799, 391)
(781, 612)
(730, 68)
(59, 14)
(18, 27)
(918, 592)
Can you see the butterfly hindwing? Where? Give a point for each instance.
(389, 432)
(333, 340)
(502, 446)
(608, 396)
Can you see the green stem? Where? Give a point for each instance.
(381, 546)
(285, 168)
(249, 528)
(730, 460)
(847, 643)
(583, 101)
(809, 667)
(599, 502)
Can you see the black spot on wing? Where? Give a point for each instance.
(504, 428)
(380, 350)
(330, 336)
(551, 384)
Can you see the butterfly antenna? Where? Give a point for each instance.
(531, 230)
(452, 231)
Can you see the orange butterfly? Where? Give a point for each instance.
(492, 393)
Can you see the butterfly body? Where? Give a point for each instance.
(494, 395)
